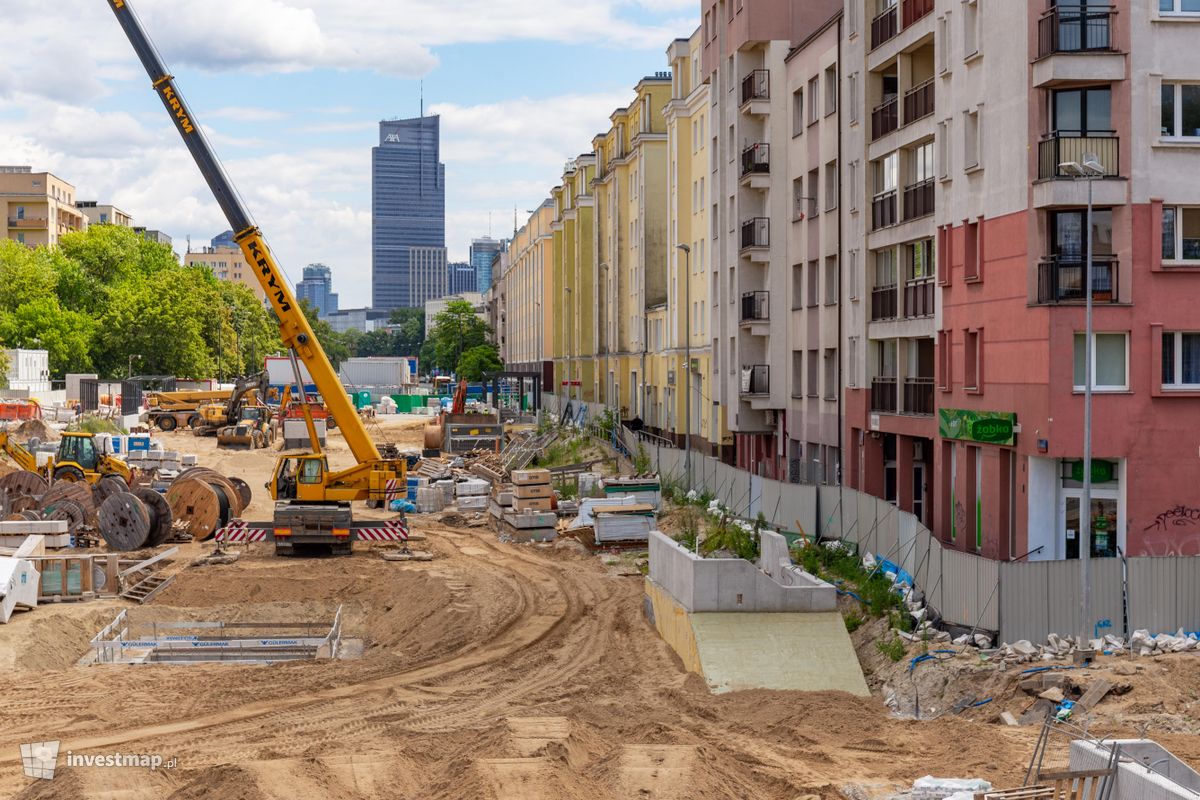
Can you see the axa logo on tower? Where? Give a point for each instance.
(392, 138)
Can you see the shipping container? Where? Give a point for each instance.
(374, 371)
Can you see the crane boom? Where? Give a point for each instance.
(294, 329)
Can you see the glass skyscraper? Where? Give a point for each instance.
(483, 252)
(317, 288)
(408, 208)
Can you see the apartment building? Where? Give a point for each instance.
(227, 264)
(38, 207)
(687, 353)
(525, 299)
(98, 213)
(752, 216)
(574, 334)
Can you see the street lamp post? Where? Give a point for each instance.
(687, 361)
(1089, 170)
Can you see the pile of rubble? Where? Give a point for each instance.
(1141, 643)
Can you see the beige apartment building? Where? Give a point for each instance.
(227, 264)
(523, 297)
(38, 207)
(104, 214)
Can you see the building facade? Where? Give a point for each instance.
(103, 214)
(408, 206)
(483, 252)
(158, 237)
(317, 288)
(428, 274)
(461, 277)
(38, 207)
(227, 263)
(523, 298)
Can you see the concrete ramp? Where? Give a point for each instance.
(807, 651)
(763, 650)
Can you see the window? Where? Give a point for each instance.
(797, 373)
(970, 140)
(971, 251)
(943, 36)
(310, 470)
(852, 18)
(851, 365)
(1109, 358)
(20, 238)
(852, 181)
(831, 90)
(852, 275)
(797, 112)
(831, 186)
(1180, 110)
(922, 163)
(814, 101)
(830, 374)
(970, 28)
(731, 143)
(814, 277)
(798, 199)
(885, 269)
(797, 286)
(831, 280)
(943, 147)
(814, 181)
(813, 367)
(885, 174)
(1179, 6)
(972, 379)
(944, 343)
(920, 260)
(1180, 360)
(1083, 112)
(1181, 234)
(852, 97)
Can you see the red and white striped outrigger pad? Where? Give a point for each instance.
(238, 531)
(393, 530)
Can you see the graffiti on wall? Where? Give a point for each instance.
(1174, 532)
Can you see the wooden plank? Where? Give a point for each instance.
(1095, 693)
(143, 564)
(1069, 774)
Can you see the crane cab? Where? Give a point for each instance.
(300, 478)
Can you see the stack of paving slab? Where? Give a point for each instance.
(532, 518)
(623, 522)
(169, 463)
(472, 494)
(53, 533)
(430, 500)
(646, 489)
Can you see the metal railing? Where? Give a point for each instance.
(756, 159)
(1062, 147)
(756, 379)
(884, 27)
(915, 9)
(883, 210)
(756, 306)
(27, 222)
(918, 102)
(918, 396)
(756, 232)
(918, 199)
(883, 302)
(885, 118)
(756, 86)
(1061, 280)
(1075, 29)
(883, 394)
(918, 298)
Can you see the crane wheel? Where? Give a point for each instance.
(68, 473)
(194, 421)
(167, 423)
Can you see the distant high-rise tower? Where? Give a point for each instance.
(317, 288)
(483, 252)
(408, 183)
(462, 278)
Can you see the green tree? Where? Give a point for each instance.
(255, 331)
(478, 362)
(43, 324)
(409, 333)
(112, 254)
(375, 343)
(25, 274)
(455, 331)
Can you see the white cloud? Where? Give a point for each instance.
(247, 114)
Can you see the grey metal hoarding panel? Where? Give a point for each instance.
(1163, 594)
(1024, 601)
(987, 593)
(958, 588)
(831, 514)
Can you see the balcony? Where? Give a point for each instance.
(35, 223)
(756, 238)
(915, 9)
(918, 102)
(883, 210)
(756, 92)
(1061, 280)
(1075, 29)
(1062, 147)
(883, 27)
(756, 166)
(756, 307)
(885, 118)
(918, 200)
(756, 380)
(883, 395)
(918, 396)
(918, 298)
(883, 303)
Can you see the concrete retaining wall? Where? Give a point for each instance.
(734, 584)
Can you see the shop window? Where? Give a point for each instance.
(1110, 358)
(1180, 360)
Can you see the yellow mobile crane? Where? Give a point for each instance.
(312, 506)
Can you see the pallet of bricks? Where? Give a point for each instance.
(532, 518)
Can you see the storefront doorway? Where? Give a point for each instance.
(1104, 522)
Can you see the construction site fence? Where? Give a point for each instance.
(1014, 599)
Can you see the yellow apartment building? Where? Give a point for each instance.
(38, 207)
(574, 338)
(228, 264)
(525, 321)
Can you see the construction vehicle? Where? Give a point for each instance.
(79, 458)
(214, 417)
(256, 427)
(171, 410)
(313, 503)
(435, 429)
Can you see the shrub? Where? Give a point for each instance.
(853, 621)
(892, 647)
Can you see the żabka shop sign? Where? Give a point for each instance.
(987, 427)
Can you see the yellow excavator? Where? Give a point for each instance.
(77, 459)
(312, 509)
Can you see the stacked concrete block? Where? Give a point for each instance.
(430, 500)
(532, 490)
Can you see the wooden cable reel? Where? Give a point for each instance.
(124, 522)
(204, 500)
(106, 487)
(22, 484)
(160, 514)
(70, 511)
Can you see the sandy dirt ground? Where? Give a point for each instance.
(495, 671)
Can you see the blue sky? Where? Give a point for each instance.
(291, 91)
